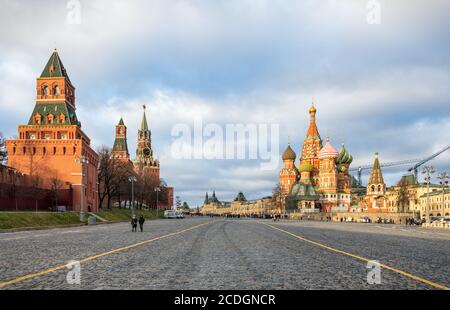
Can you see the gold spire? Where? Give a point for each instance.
(312, 130)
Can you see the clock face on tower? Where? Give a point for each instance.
(147, 151)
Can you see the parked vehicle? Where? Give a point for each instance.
(364, 219)
(179, 214)
(170, 214)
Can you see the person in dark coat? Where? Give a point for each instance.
(134, 222)
(141, 222)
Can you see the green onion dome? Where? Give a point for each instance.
(305, 167)
(344, 156)
(289, 154)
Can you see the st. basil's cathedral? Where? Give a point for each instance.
(322, 180)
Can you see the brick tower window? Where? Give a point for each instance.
(56, 90)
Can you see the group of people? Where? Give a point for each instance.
(135, 221)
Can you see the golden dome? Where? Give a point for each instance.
(312, 110)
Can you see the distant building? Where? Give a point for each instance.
(439, 203)
(239, 206)
(376, 189)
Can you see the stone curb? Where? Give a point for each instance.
(19, 229)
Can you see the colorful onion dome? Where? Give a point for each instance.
(305, 167)
(289, 154)
(328, 151)
(344, 156)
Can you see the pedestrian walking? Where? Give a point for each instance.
(134, 222)
(141, 222)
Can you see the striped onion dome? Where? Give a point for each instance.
(344, 156)
(328, 151)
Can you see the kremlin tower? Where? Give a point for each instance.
(120, 148)
(52, 144)
(144, 162)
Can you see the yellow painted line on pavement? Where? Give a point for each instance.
(84, 260)
(406, 274)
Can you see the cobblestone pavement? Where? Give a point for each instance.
(226, 254)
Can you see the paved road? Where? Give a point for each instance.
(203, 253)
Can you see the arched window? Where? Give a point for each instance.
(24, 150)
(37, 118)
(54, 150)
(64, 150)
(45, 90)
(373, 188)
(44, 150)
(34, 150)
(14, 150)
(56, 91)
(62, 118)
(379, 188)
(50, 118)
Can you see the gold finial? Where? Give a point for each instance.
(55, 50)
(289, 140)
(144, 106)
(312, 110)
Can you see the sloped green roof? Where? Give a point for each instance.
(300, 191)
(144, 125)
(54, 67)
(409, 179)
(240, 197)
(56, 109)
(121, 122)
(120, 144)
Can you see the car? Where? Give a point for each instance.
(364, 219)
(179, 214)
(170, 214)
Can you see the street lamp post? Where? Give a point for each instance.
(443, 176)
(157, 190)
(428, 171)
(132, 179)
(82, 160)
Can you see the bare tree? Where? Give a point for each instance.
(403, 195)
(277, 198)
(105, 176)
(3, 153)
(56, 186)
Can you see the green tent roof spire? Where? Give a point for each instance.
(121, 122)
(144, 125)
(54, 67)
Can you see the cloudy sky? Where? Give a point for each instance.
(377, 87)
